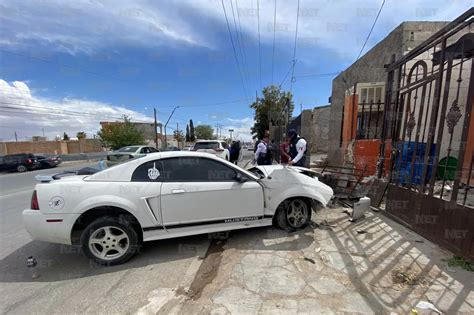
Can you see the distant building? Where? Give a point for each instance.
(38, 138)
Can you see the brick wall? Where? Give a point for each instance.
(51, 147)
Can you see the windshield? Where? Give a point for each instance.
(128, 149)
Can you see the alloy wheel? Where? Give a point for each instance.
(297, 213)
(109, 242)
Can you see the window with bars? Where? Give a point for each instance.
(370, 110)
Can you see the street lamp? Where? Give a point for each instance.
(166, 125)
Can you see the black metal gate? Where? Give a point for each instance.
(427, 122)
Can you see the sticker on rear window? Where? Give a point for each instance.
(153, 173)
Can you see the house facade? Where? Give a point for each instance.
(358, 96)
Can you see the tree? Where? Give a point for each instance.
(271, 108)
(192, 134)
(65, 137)
(187, 134)
(81, 135)
(204, 132)
(178, 135)
(121, 134)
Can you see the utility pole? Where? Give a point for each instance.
(231, 131)
(43, 132)
(16, 137)
(166, 125)
(155, 127)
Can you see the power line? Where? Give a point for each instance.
(241, 43)
(294, 49)
(233, 48)
(316, 75)
(286, 76)
(274, 33)
(259, 53)
(371, 29)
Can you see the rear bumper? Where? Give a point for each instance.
(53, 228)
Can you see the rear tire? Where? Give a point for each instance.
(293, 214)
(110, 241)
(21, 168)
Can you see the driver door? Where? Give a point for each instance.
(202, 191)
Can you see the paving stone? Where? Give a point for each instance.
(280, 307)
(238, 300)
(326, 285)
(281, 281)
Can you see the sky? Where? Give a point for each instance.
(67, 65)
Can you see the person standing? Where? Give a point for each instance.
(261, 152)
(297, 149)
(284, 152)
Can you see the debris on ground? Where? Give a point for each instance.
(406, 277)
(424, 305)
(361, 231)
(311, 260)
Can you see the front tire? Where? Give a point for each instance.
(293, 214)
(110, 241)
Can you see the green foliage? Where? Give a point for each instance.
(121, 134)
(65, 137)
(178, 135)
(192, 132)
(187, 134)
(271, 108)
(81, 135)
(460, 262)
(204, 132)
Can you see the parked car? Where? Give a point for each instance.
(126, 153)
(167, 195)
(48, 161)
(21, 162)
(188, 148)
(216, 147)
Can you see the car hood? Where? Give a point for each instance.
(280, 180)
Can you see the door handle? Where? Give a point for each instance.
(178, 191)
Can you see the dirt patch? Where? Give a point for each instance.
(406, 277)
(207, 271)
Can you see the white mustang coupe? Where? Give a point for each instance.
(109, 213)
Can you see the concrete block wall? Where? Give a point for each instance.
(51, 147)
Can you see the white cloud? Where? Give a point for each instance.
(86, 26)
(27, 114)
(241, 128)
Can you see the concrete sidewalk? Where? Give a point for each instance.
(373, 266)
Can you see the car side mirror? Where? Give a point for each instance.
(241, 179)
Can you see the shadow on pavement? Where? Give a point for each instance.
(62, 262)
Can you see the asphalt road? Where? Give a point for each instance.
(68, 282)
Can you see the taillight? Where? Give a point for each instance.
(28, 161)
(34, 201)
(219, 150)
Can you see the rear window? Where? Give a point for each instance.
(128, 149)
(206, 145)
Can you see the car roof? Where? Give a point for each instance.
(123, 171)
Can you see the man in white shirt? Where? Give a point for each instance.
(261, 153)
(297, 149)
